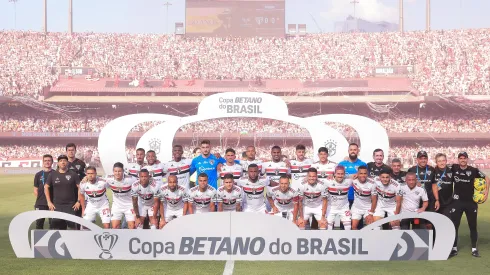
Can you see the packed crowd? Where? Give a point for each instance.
(22, 122)
(445, 62)
(90, 154)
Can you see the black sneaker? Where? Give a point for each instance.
(475, 254)
(453, 253)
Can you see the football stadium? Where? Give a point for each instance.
(195, 98)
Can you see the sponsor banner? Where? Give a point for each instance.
(393, 70)
(232, 236)
(77, 71)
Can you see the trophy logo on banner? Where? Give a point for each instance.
(106, 242)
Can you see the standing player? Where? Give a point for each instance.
(284, 200)
(207, 163)
(134, 168)
(201, 197)
(76, 165)
(312, 201)
(179, 167)
(122, 204)
(338, 202)
(97, 204)
(143, 192)
(39, 180)
(351, 165)
(156, 169)
(443, 186)
(299, 167)
(229, 195)
(387, 190)
(396, 171)
(253, 188)
(250, 160)
(324, 167)
(375, 168)
(274, 169)
(365, 200)
(171, 200)
(464, 178)
(409, 199)
(230, 166)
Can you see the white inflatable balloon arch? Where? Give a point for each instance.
(112, 139)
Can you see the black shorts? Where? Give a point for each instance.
(62, 224)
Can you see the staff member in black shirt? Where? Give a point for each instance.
(40, 179)
(396, 171)
(375, 168)
(443, 186)
(77, 166)
(65, 185)
(464, 178)
(426, 177)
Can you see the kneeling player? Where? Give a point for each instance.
(338, 200)
(312, 201)
(365, 198)
(122, 205)
(284, 200)
(171, 198)
(201, 197)
(387, 190)
(409, 198)
(98, 204)
(143, 192)
(229, 196)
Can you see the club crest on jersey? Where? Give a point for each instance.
(331, 145)
(468, 173)
(68, 177)
(211, 161)
(449, 175)
(403, 178)
(276, 171)
(300, 169)
(154, 144)
(78, 167)
(429, 172)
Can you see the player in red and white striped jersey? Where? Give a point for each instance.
(274, 169)
(229, 195)
(299, 167)
(254, 189)
(284, 200)
(98, 204)
(230, 167)
(387, 189)
(156, 169)
(338, 201)
(143, 192)
(171, 200)
(324, 167)
(179, 167)
(133, 169)
(202, 197)
(365, 199)
(312, 201)
(250, 160)
(122, 204)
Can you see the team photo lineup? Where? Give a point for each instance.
(310, 194)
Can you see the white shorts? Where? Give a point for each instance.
(381, 211)
(118, 213)
(172, 214)
(309, 212)
(343, 213)
(285, 214)
(146, 210)
(358, 214)
(91, 213)
(262, 210)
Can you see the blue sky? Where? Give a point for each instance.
(149, 16)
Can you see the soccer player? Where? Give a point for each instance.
(274, 169)
(284, 200)
(253, 188)
(171, 200)
(299, 167)
(387, 190)
(201, 197)
(179, 167)
(97, 204)
(312, 201)
(365, 200)
(230, 166)
(250, 160)
(65, 184)
(156, 169)
(409, 198)
(464, 178)
(443, 186)
(396, 171)
(143, 192)
(338, 202)
(122, 204)
(134, 168)
(229, 195)
(324, 167)
(375, 168)
(39, 180)
(207, 163)
(351, 165)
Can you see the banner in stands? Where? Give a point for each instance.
(393, 70)
(231, 236)
(112, 139)
(77, 70)
(24, 163)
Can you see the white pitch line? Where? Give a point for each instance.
(229, 266)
